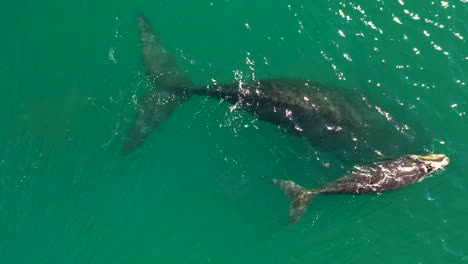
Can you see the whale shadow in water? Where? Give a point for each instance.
(332, 119)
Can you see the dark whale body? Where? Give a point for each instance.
(332, 119)
(329, 118)
(378, 178)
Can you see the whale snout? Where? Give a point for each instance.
(435, 161)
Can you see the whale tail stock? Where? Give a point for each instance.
(169, 91)
(300, 198)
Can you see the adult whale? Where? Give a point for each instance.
(330, 118)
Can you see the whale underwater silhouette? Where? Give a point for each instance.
(331, 119)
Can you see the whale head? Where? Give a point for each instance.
(431, 163)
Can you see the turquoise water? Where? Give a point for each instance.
(199, 189)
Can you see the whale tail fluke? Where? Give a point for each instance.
(170, 86)
(300, 198)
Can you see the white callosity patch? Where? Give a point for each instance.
(386, 177)
(431, 163)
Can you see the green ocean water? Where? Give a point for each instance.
(199, 189)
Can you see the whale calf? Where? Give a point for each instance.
(332, 119)
(377, 178)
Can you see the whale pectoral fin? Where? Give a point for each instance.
(301, 198)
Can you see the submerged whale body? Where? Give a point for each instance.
(329, 118)
(378, 178)
(332, 119)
